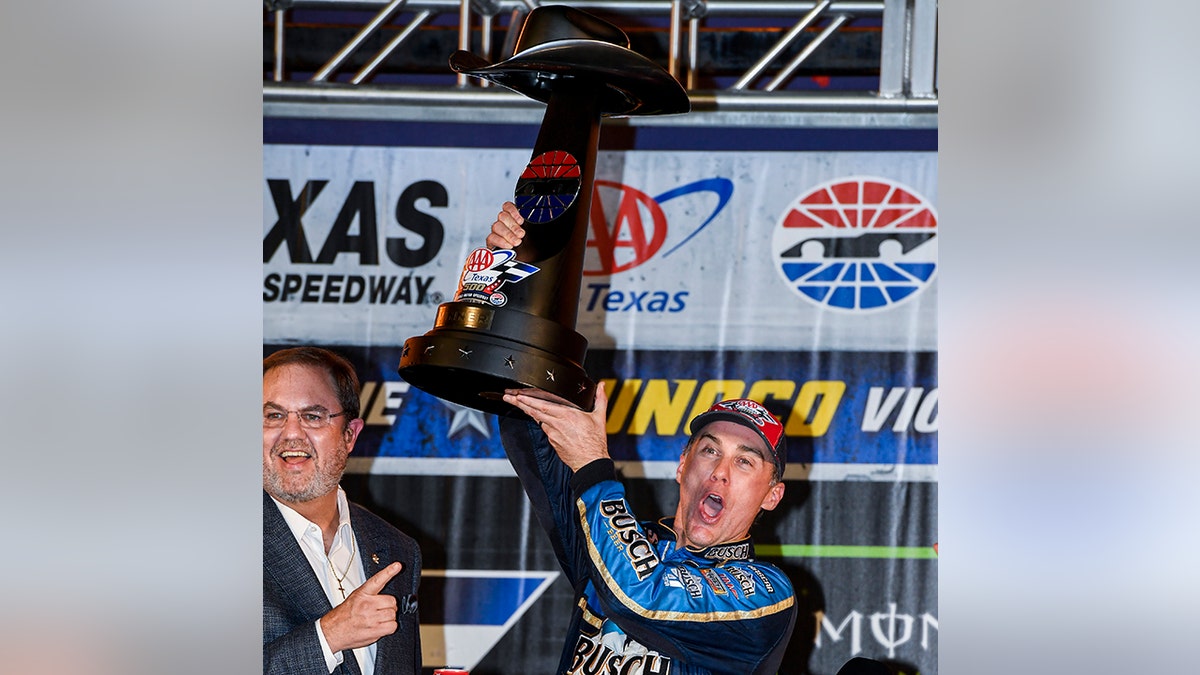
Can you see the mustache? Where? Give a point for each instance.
(293, 444)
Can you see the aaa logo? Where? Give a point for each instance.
(484, 272)
(628, 226)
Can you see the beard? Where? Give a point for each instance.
(329, 467)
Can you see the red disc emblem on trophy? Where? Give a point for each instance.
(548, 187)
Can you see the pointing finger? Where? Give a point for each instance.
(376, 583)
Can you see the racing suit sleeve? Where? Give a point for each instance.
(547, 482)
(733, 616)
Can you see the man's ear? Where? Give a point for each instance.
(353, 428)
(679, 467)
(774, 495)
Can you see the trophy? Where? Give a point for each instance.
(512, 321)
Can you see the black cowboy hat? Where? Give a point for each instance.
(557, 42)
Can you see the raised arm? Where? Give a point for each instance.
(747, 609)
(544, 475)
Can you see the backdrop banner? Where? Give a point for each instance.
(803, 278)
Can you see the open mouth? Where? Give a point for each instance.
(294, 456)
(711, 507)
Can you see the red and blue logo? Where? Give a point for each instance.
(628, 226)
(859, 243)
(548, 186)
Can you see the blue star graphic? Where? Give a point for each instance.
(466, 417)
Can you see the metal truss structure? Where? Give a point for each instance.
(828, 63)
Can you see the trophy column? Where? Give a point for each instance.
(512, 321)
(520, 333)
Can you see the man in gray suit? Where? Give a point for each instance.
(339, 583)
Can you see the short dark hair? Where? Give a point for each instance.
(341, 372)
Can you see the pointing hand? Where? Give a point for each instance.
(365, 615)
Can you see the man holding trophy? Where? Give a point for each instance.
(680, 595)
(683, 595)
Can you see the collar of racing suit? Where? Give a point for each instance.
(664, 530)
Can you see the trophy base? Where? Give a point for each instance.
(475, 352)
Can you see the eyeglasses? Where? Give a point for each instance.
(309, 419)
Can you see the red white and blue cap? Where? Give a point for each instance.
(750, 414)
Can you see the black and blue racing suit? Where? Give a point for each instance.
(643, 606)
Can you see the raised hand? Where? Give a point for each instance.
(365, 615)
(578, 437)
(507, 231)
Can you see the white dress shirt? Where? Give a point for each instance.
(344, 558)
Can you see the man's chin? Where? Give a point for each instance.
(292, 494)
(700, 537)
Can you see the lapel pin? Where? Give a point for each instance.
(375, 558)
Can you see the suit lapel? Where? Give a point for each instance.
(285, 562)
(374, 547)
(350, 664)
(376, 555)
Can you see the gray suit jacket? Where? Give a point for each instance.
(293, 598)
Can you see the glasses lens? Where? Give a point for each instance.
(309, 419)
(313, 420)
